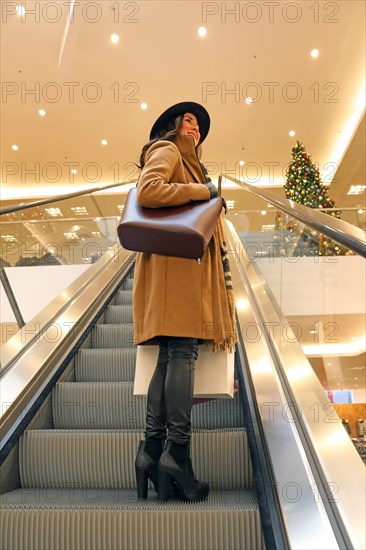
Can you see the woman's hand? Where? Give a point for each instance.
(212, 189)
(214, 194)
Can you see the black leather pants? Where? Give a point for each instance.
(169, 399)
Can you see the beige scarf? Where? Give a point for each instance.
(224, 307)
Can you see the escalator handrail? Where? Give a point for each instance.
(57, 198)
(343, 232)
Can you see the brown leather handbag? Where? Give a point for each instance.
(182, 231)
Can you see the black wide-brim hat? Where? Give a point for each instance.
(202, 116)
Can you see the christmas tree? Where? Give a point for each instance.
(303, 185)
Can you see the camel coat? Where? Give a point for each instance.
(177, 296)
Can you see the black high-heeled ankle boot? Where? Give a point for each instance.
(146, 465)
(175, 466)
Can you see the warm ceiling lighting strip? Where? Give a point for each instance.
(66, 32)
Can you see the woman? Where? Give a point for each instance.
(179, 302)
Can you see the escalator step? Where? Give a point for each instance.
(97, 405)
(112, 405)
(128, 284)
(119, 314)
(115, 519)
(105, 458)
(113, 336)
(105, 365)
(124, 297)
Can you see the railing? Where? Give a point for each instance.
(344, 233)
(52, 232)
(50, 200)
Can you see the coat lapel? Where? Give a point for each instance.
(189, 158)
(197, 176)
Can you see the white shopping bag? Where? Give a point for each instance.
(214, 373)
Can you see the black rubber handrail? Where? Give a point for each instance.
(348, 235)
(57, 198)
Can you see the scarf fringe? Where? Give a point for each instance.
(229, 342)
(224, 345)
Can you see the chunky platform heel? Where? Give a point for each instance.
(175, 466)
(142, 480)
(146, 465)
(165, 485)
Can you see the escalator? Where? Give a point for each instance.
(70, 435)
(77, 479)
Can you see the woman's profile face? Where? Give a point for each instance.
(189, 127)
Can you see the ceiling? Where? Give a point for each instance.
(91, 89)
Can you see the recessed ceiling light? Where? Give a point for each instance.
(42, 112)
(292, 133)
(79, 210)
(53, 212)
(20, 10)
(241, 162)
(314, 53)
(15, 147)
(248, 100)
(70, 235)
(104, 142)
(263, 212)
(8, 238)
(114, 38)
(360, 211)
(356, 189)
(202, 31)
(143, 106)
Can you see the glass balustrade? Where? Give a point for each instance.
(71, 234)
(317, 286)
(77, 230)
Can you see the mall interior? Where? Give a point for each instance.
(278, 430)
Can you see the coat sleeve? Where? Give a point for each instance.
(155, 188)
